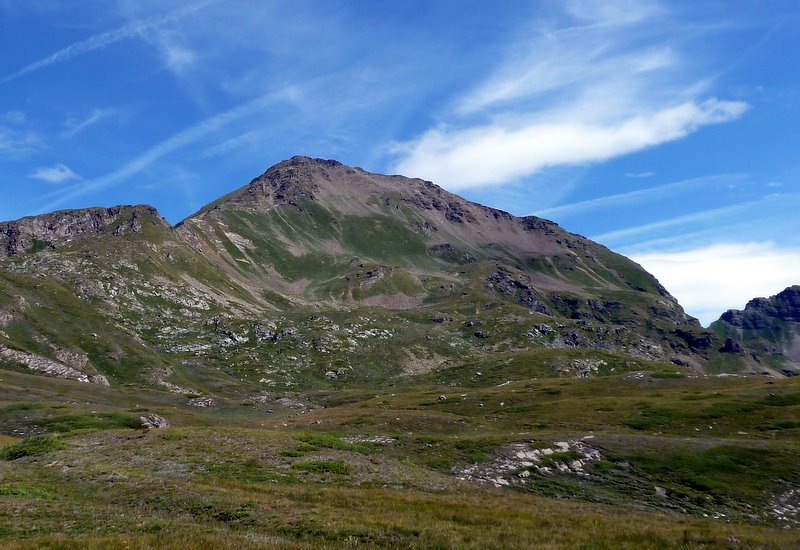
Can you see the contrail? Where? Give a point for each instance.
(105, 39)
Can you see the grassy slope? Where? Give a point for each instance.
(718, 446)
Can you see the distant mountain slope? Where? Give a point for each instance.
(319, 274)
(766, 332)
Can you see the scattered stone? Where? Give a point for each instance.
(203, 402)
(374, 439)
(507, 464)
(442, 398)
(481, 334)
(153, 421)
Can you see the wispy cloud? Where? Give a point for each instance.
(638, 196)
(14, 117)
(595, 87)
(181, 139)
(639, 174)
(105, 39)
(18, 141)
(54, 174)
(73, 126)
(613, 238)
(710, 280)
(247, 138)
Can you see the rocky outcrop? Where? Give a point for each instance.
(36, 233)
(451, 254)
(769, 326)
(518, 289)
(48, 366)
(760, 313)
(153, 421)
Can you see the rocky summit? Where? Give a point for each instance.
(325, 336)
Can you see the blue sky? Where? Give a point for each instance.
(668, 131)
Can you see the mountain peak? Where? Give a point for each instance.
(784, 306)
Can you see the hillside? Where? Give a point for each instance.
(325, 342)
(766, 332)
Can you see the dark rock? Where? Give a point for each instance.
(481, 334)
(449, 253)
(697, 340)
(518, 289)
(49, 230)
(760, 313)
(376, 275)
(730, 346)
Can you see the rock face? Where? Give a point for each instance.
(766, 327)
(49, 230)
(761, 313)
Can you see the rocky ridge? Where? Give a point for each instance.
(242, 286)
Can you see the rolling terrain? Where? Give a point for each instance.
(331, 357)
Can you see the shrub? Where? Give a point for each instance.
(37, 445)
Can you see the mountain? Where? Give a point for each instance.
(302, 262)
(324, 344)
(766, 332)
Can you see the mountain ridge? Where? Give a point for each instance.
(237, 282)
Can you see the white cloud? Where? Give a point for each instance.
(710, 280)
(55, 174)
(608, 84)
(495, 154)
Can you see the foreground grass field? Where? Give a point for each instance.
(631, 461)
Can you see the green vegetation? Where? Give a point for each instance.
(322, 466)
(33, 446)
(338, 374)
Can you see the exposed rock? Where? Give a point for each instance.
(50, 230)
(374, 439)
(760, 313)
(5, 318)
(698, 340)
(517, 288)
(150, 420)
(265, 331)
(730, 346)
(450, 253)
(375, 275)
(48, 366)
(203, 402)
(522, 462)
(481, 334)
